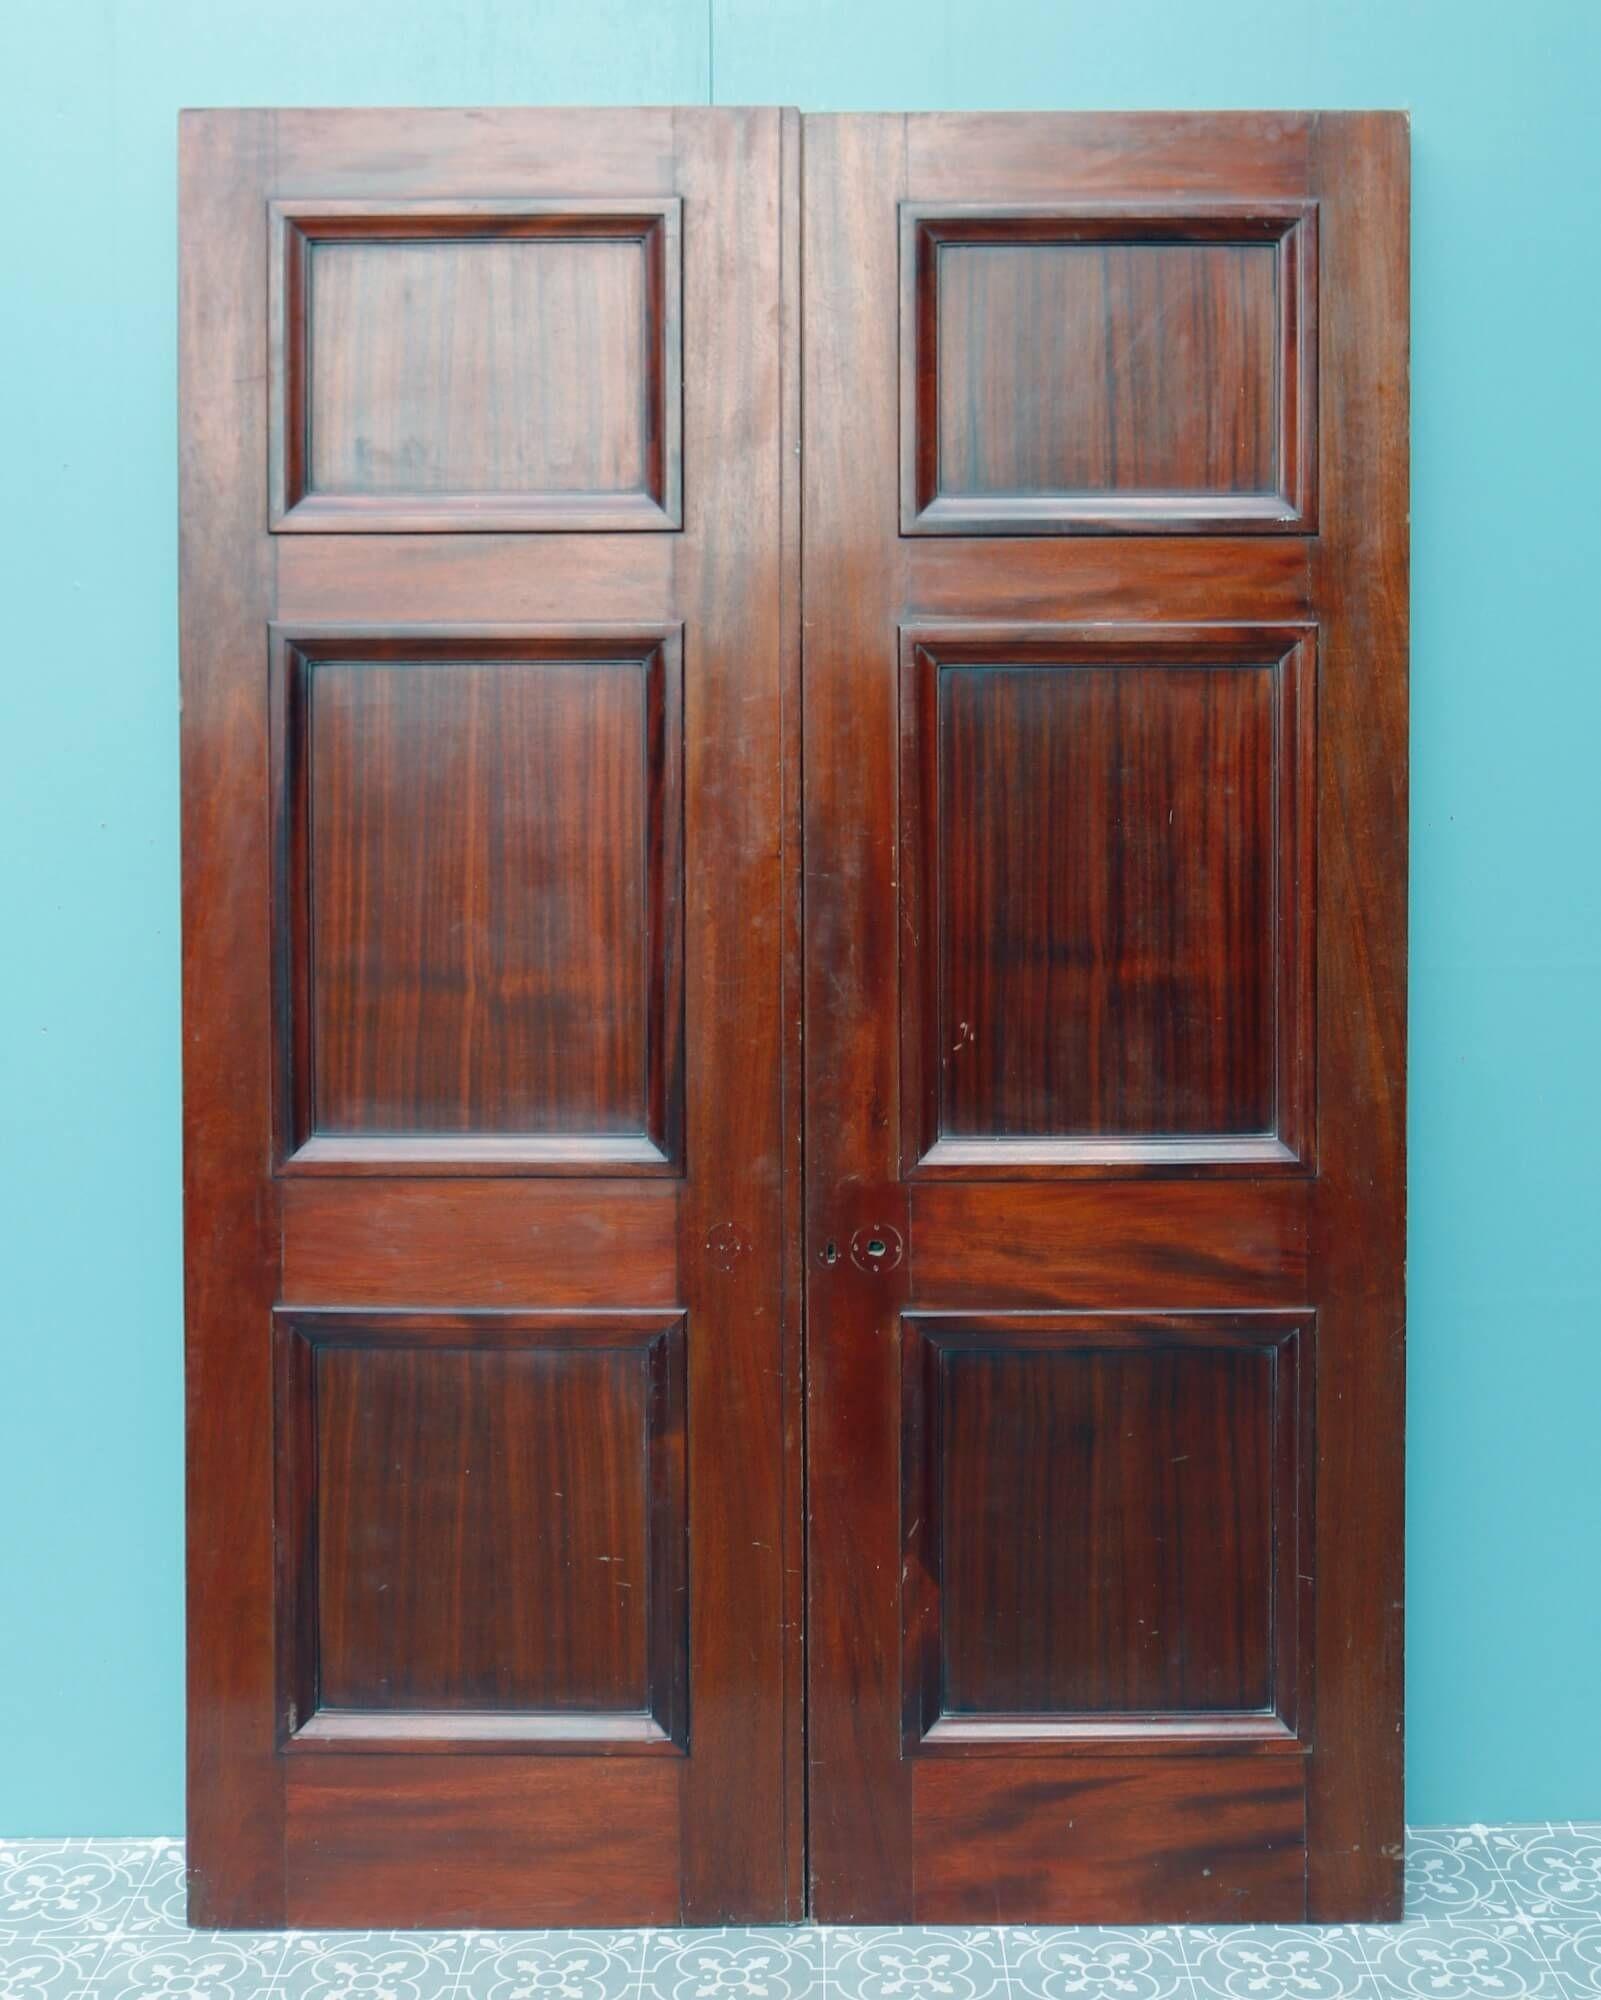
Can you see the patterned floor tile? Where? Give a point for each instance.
(916, 1964)
(565, 1965)
(1574, 1951)
(1278, 1961)
(742, 1964)
(1130, 1964)
(238, 1966)
(48, 1968)
(370, 1965)
(68, 1887)
(1550, 1871)
(160, 1905)
(1450, 1872)
(1461, 1961)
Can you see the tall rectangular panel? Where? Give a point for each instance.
(1110, 898)
(480, 897)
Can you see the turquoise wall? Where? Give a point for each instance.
(1505, 1535)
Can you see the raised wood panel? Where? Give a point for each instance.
(1107, 870)
(476, 365)
(1102, 1516)
(1070, 367)
(480, 900)
(483, 1526)
(1123, 1840)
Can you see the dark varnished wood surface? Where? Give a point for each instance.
(483, 1841)
(1206, 1839)
(1107, 874)
(1080, 1479)
(518, 800)
(1135, 366)
(481, 892)
(470, 1480)
(964, 1515)
(476, 365)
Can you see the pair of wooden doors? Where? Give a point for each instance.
(794, 818)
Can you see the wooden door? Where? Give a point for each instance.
(489, 667)
(1105, 718)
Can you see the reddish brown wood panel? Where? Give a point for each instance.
(399, 327)
(1104, 887)
(498, 1842)
(481, 896)
(492, 1616)
(1127, 366)
(536, 1462)
(1108, 878)
(1193, 1244)
(1206, 1839)
(1103, 1524)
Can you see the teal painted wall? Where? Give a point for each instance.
(1504, 1543)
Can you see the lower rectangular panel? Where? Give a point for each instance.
(1124, 1841)
(504, 1842)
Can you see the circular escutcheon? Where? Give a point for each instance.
(726, 1245)
(878, 1247)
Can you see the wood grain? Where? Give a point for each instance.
(481, 889)
(1202, 1839)
(1028, 893)
(476, 365)
(480, 1841)
(479, 976)
(235, 1785)
(1355, 1786)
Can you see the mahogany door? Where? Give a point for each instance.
(492, 1288)
(1105, 513)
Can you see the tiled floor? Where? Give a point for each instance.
(1510, 1911)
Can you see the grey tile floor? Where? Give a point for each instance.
(1500, 1911)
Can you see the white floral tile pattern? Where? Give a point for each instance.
(73, 1888)
(732, 1965)
(1450, 1872)
(1501, 1961)
(1100, 1963)
(1493, 1913)
(917, 1964)
(1550, 1871)
(1278, 1961)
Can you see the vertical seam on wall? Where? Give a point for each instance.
(711, 70)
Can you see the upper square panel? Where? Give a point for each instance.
(492, 365)
(1105, 370)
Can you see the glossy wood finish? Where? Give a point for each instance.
(1107, 874)
(1122, 366)
(1217, 1840)
(1103, 1519)
(400, 327)
(454, 1488)
(1105, 956)
(480, 893)
(493, 1542)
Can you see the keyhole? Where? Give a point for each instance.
(830, 1253)
(877, 1250)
